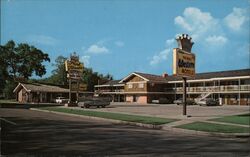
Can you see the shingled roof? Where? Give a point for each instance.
(217, 74)
(146, 77)
(152, 78)
(160, 79)
(40, 88)
(113, 82)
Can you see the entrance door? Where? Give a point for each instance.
(134, 98)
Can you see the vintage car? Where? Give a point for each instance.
(94, 101)
(208, 102)
(61, 100)
(180, 102)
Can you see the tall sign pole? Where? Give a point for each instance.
(184, 63)
(184, 96)
(74, 70)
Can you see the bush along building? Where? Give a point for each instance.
(229, 87)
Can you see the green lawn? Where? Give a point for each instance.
(238, 119)
(7, 101)
(115, 116)
(211, 127)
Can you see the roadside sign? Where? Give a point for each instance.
(183, 63)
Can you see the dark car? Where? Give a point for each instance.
(95, 101)
(180, 102)
(162, 101)
(208, 102)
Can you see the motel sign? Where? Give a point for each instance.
(184, 63)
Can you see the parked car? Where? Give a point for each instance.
(180, 102)
(161, 101)
(95, 101)
(61, 100)
(208, 102)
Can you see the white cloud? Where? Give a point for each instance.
(236, 19)
(85, 60)
(182, 22)
(170, 42)
(119, 43)
(216, 40)
(42, 39)
(196, 22)
(163, 55)
(97, 49)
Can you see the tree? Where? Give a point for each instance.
(89, 77)
(8, 60)
(93, 78)
(59, 75)
(20, 61)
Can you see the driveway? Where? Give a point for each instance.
(33, 133)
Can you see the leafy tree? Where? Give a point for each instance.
(59, 75)
(20, 61)
(93, 78)
(32, 62)
(8, 89)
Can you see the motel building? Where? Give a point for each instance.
(229, 87)
(41, 93)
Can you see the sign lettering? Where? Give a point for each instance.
(183, 63)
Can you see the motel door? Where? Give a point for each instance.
(134, 98)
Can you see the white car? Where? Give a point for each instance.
(60, 100)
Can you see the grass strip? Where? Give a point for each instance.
(243, 119)
(115, 116)
(5, 101)
(211, 127)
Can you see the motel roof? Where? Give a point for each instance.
(111, 83)
(146, 77)
(152, 78)
(40, 88)
(199, 76)
(214, 75)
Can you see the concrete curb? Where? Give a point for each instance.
(103, 119)
(160, 127)
(202, 133)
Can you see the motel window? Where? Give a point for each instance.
(130, 85)
(141, 85)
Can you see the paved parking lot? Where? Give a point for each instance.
(175, 111)
(33, 133)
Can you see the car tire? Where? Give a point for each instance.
(86, 105)
(103, 106)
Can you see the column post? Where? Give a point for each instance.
(239, 91)
(69, 91)
(184, 96)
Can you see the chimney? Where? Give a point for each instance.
(164, 75)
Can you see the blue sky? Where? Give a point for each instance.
(123, 36)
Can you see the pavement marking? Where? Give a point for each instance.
(13, 123)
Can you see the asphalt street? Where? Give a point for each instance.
(25, 132)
